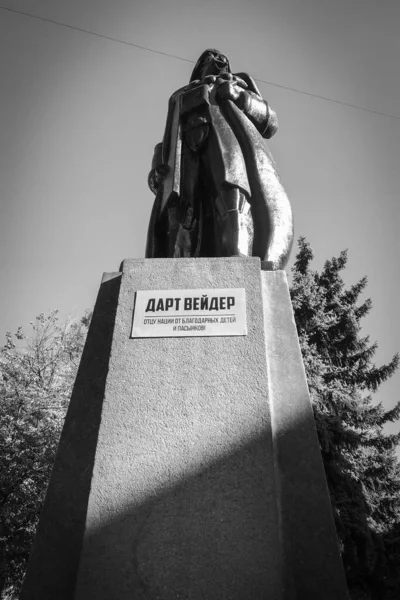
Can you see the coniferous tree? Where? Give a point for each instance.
(360, 461)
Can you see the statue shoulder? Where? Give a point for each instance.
(250, 82)
(176, 94)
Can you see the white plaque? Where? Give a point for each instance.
(183, 313)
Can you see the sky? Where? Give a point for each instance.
(80, 115)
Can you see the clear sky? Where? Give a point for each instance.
(80, 115)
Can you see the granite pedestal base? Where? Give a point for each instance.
(188, 468)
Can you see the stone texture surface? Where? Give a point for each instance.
(54, 560)
(311, 558)
(183, 496)
(200, 456)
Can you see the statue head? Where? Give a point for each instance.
(211, 62)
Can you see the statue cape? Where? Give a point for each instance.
(252, 163)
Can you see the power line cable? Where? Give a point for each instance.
(100, 35)
(119, 41)
(370, 110)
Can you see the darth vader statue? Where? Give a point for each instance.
(216, 186)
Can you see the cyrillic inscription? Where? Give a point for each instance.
(175, 313)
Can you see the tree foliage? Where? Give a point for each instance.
(360, 461)
(36, 377)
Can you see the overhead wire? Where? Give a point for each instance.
(168, 54)
(100, 35)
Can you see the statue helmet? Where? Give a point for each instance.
(196, 74)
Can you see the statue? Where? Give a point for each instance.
(217, 190)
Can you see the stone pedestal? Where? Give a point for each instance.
(188, 468)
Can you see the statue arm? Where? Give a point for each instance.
(156, 173)
(159, 166)
(259, 112)
(242, 90)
